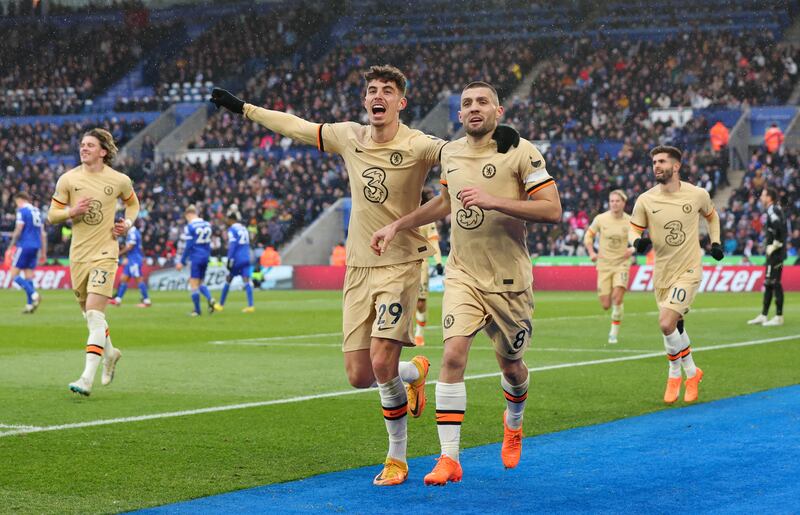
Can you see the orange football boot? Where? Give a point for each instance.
(512, 445)
(446, 469)
(692, 386)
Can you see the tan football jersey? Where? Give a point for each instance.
(385, 183)
(91, 234)
(488, 249)
(429, 232)
(613, 234)
(673, 222)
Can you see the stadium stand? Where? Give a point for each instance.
(596, 105)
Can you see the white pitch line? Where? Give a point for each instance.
(267, 339)
(427, 346)
(303, 398)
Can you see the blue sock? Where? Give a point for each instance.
(224, 296)
(196, 301)
(248, 288)
(27, 286)
(123, 287)
(205, 292)
(143, 289)
(31, 286)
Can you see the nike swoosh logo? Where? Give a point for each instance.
(383, 328)
(359, 151)
(78, 189)
(452, 170)
(656, 211)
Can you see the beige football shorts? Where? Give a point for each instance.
(379, 302)
(507, 317)
(607, 280)
(678, 296)
(93, 277)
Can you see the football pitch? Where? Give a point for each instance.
(230, 401)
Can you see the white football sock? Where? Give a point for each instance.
(451, 404)
(673, 344)
(395, 409)
(95, 344)
(515, 401)
(687, 361)
(408, 371)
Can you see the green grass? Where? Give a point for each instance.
(169, 365)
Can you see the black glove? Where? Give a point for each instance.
(506, 137)
(224, 98)
(716, 251)
(642, 245)
(439, 269)
(229, 264)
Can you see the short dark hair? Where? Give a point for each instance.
(387, 73)
(23, 195)
(482, 84)
(106, 143)
(772, 193)
(666, 149)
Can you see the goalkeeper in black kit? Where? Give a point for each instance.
(775, 250)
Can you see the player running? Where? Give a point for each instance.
(30, 240)
(88, 195)
(613, 257)
(489, 284)
(386, 163)
(670, 212)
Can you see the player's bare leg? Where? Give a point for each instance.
(422, 320)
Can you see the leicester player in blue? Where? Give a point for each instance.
(31, 242)
(197, 250)
(133, 261)
(238, 259)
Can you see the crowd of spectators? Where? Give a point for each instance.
(276, 197)
(232, 42)
(593, 92)
(332, 90)
(54, 8)
(48, 69)
(603, 90)
(743, 221)
(29, 142)
(585, 178)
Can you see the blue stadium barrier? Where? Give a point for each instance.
(762, 117)
(728, 117)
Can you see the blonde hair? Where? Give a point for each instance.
(106, 143)
(190, 209)
(621, 194)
